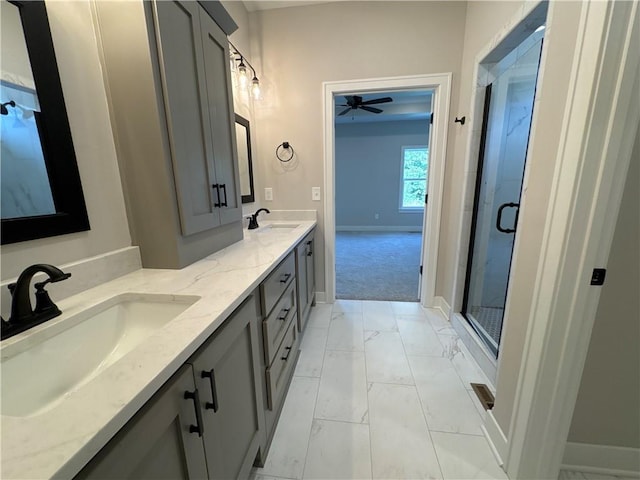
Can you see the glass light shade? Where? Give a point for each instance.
(243, 79)
(255, 88)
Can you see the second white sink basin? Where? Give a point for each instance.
(40, 369)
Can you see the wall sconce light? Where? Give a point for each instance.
(243, 77)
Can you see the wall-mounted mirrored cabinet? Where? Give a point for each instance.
(41, 192)
(243, 139)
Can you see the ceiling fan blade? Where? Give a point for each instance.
(378, 100)
(344, 111)
(370, 109)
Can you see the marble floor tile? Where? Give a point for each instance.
(338, 450)
(372, 306)
(407, 308)
(401, 446)
(476, 403)
(259, 476)
(347, 306)
(418, 336)
(380, 321)
(466, 456)
(342, 394)
(445, 401)
(386, 360)
(346, 332)
(289, 447)
(468, 370)
(311, 352)
(320, 315)
(440, 324)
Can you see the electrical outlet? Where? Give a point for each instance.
(315, 194)
(268, 194)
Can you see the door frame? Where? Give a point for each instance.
(441, 86)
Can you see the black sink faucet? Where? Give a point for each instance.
(253, 219)
(23, 317)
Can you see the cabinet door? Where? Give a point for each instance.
(157, 442)
(301, 278)
(227, 375)
(222, 118)
(178, 31)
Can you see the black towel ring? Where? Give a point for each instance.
(284, 146)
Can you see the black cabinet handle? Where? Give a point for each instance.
(283, 316)
(223, 186)
(216, 187)
(309, 250)
(199, 426)
(499, 219)
(213, 405)
(286, 357)
(285, 278)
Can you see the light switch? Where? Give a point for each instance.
(268, 193)
(315, 194)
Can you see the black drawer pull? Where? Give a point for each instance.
(199, 426)
(217, 189)
(286, 357)
(309, 253)
(213, 405)
(283, 316)
(223, 186)
(285, 278)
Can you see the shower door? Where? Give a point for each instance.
(509, 101)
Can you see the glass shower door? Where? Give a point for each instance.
(508, 110)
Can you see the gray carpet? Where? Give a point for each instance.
(378, 265)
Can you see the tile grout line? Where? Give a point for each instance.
(366, 384)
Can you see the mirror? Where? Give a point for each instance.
(41, 193)
(245, 167)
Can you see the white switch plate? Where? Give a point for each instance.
(268, 193)
(315, 194)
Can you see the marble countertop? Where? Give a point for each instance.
(59, 441)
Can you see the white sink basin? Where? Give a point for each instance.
(279, 226)
(40, 369)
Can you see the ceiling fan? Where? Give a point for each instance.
(355, 102)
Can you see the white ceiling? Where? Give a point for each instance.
(406, 105)
(255, 5)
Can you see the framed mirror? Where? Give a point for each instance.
(41, 191)
(243, 139)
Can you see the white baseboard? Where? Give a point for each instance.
(602, 459)
(378, 228)
(496, 437)
(321, 297)
(441, 304)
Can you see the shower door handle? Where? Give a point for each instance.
(499, 219)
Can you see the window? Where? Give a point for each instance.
(413, 178)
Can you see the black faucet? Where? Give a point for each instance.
(253, 219)
(23, 317)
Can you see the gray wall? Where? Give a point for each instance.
(607, 409)
(368, 159)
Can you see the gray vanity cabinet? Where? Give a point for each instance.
(168, 83)
(227, 374)
(305, 276)
(196, 76)
(159, 442)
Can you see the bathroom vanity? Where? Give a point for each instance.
(198, 395)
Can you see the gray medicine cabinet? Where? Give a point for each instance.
(166, 67)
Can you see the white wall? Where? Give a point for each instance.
(607, 409)
(368, 169)
(298, 48)
(80, 74)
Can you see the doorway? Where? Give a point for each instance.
(508, 110)
(440, 84)
(381, 178)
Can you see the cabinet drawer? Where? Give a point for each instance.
(276, 283)
(275, 325)
(278, 372)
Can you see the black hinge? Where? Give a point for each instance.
(431, 119)
(597, 277)
(420, 269)
(426, 199)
